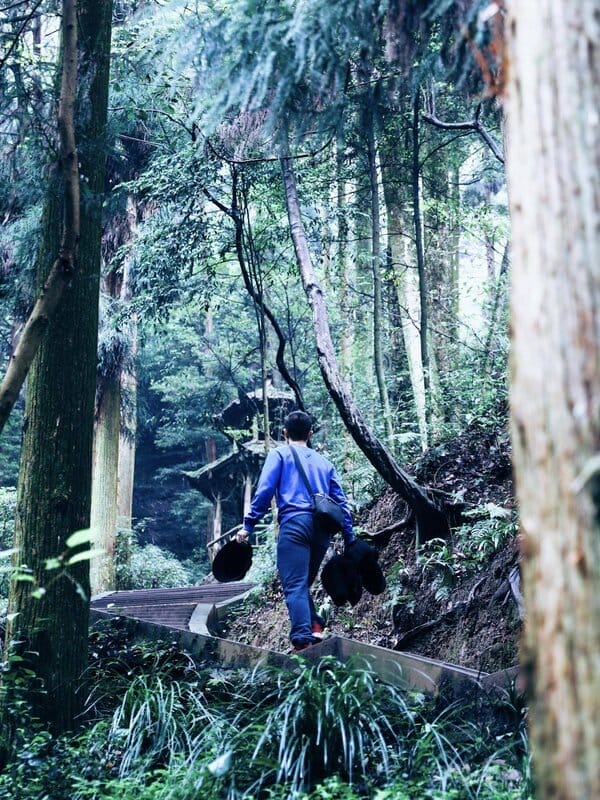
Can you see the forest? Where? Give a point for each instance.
(383, 213)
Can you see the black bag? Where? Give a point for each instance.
(328, 515)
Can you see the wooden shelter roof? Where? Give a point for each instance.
(223, 474)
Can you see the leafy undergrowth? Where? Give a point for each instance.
(453, 601)
(160, 727)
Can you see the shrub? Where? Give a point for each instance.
(324, 731)
(8, 506)
(333, 718)
(151, 567)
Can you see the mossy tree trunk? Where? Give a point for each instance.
(553, 98)
(343, 263)
(55, 474)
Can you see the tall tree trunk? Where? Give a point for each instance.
(441, 225)
(420, 251)
(554, 188)
(376, 268)
(114, 435)
(129, 384)
(55, 475)
(362, 336)
(497, 315)
(431, 522)
(127, 449)
(396, 173)
(105, 482)
(342, 263)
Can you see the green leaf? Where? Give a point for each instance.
(497, 512)
(80, 537)
(38, 593)
(23, 577)
(53, 563)
(86, 555)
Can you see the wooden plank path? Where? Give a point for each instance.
(191, 614)
(172, 608)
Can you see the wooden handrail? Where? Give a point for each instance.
(232, 531)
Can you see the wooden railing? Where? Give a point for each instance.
(259, 530)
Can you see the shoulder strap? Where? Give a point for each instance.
(301, 470)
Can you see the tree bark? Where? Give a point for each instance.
(420, 253)
(61, 272)
(431, 522)
(114, 431)
(441, 284)
(105, 482)
(395, 169)
(55, 475)
(376, 268)
(342, 263)
(129, 387)
(554, 188)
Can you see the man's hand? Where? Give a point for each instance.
(242, 536)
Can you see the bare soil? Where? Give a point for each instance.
(474, 623)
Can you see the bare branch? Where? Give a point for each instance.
(474, 125)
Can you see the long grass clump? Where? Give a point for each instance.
(320, 731)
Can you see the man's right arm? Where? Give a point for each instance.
(265, 489)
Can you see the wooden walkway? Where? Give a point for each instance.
(189, 614)
(172, 608)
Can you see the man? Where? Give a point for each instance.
(300, 547)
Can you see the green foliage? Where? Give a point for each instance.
(264, 558)
(473, 544)
(8, 507)
(77, 549)
(151, 567)
(115, 660)
(155, 723)
(168, 730)
(11, 445)
(334, 719)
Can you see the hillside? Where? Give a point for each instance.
(456, 603)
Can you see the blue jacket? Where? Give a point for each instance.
(280, 478)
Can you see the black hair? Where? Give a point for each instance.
(298, 425)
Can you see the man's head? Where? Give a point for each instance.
(297, 426)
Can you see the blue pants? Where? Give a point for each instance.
(299, 554)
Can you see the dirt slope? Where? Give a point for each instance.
(447, 609)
